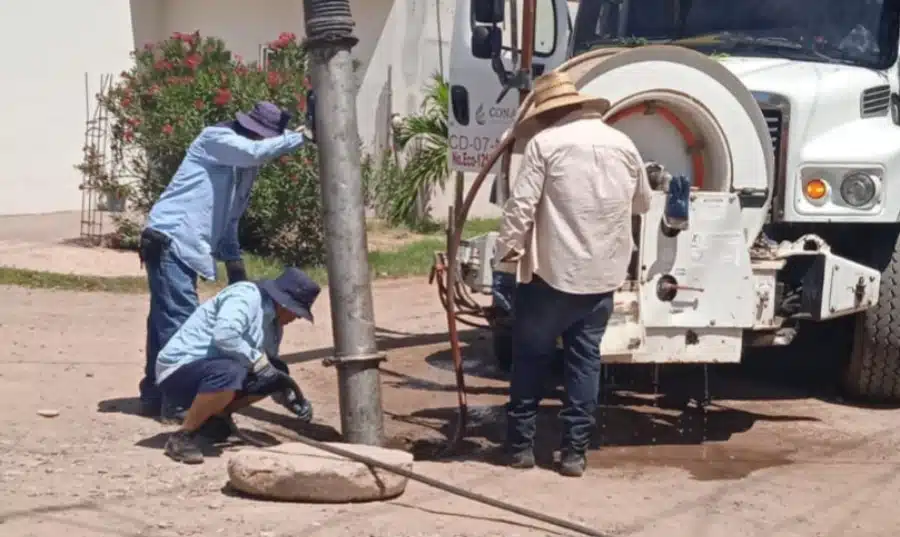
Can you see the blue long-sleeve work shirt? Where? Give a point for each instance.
(201, 207)
(239, 322)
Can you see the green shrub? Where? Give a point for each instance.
(185, 83)
(424, 137)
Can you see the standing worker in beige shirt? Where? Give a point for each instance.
(568, 225)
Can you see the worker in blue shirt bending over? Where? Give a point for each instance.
(195, 222)
(225, 357)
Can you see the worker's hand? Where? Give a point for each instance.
(236, 271)
(287, 397)
(306, 132)
(511, 256)
(296, 404)
(263, 378)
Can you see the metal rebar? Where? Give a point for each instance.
(329, 39)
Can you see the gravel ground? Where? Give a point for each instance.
(765, 461)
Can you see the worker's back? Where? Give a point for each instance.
(582, 234)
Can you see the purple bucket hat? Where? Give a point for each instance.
(294, 290)
(266, 120)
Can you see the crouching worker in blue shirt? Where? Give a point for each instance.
(195, 222)
(225, 357)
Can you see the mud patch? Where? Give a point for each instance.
(706, 462)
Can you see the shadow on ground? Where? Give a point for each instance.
(210, 448)
(120, 405)
(314, 431)
(256, 438)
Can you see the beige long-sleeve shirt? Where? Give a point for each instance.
(568, 218)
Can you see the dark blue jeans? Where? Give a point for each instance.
(203, 376)
(173, 298)
(543, 314)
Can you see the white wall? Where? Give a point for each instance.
(46, 46)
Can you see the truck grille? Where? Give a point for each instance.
(875, 101)
(773, 120)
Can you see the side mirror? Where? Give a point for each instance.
(488, 11)
(487, 42)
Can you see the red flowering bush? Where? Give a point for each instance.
(182, 84)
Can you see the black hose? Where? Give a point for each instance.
(431, 482)
(328, 22)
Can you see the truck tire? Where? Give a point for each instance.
(873, 373)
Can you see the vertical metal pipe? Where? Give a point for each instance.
(440, 39)
(528, 16)
(329, 34)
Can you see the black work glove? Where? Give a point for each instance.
(236, 271)
(269, 376)
(263, 378)
(296, 403)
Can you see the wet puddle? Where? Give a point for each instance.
(706, 462)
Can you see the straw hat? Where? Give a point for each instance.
(556, 90)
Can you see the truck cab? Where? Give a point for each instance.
(825, 75)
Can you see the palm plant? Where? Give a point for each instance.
(425, 138)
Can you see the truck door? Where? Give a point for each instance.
(477, 118)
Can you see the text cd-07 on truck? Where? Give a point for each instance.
(783, 113)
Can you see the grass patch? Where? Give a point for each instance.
(414, 258)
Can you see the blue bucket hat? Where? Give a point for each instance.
(266, 119)
(293, 290)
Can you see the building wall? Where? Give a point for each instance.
(46, 47)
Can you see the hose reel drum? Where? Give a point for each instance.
(687, 112)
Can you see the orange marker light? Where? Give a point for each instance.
(816, 189)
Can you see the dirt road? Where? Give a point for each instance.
(766, 461)
(51, 242)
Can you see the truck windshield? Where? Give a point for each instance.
(856, 32)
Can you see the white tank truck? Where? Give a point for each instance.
(783, 113)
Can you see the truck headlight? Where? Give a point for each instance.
(858, 189)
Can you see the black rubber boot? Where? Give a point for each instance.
(216, 430)
(183, 447)
(572, 463)
(521, 460)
